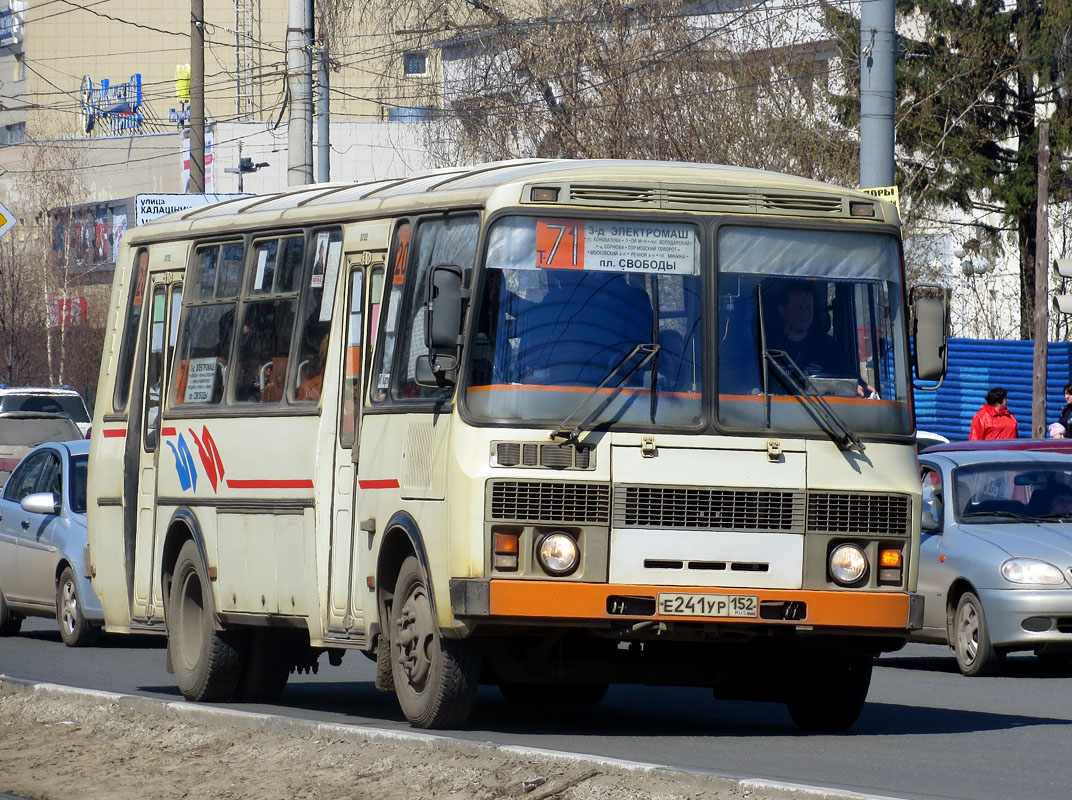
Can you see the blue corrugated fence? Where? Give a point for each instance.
(976, 365)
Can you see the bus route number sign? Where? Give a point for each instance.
(616, 246)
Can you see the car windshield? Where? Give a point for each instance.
(824, 305)
(35, 430)
(603, 310)
(991, 493)
(79, 465)
(71, 405)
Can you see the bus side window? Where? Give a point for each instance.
(325, 251)
(130, 333)
(204, 343)
(450, 240)
(391, 301)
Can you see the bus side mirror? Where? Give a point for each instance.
(930, 323)
(442, 326)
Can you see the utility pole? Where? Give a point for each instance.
(1042, 285)
(299, 66)
(197, 97)
(323, 116)
(878, 49)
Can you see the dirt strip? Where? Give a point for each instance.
(58, 744)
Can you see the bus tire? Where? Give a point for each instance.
(268, 658)
(75, 629)
(435, 678)
(207, 662)
(831, 693)
(10, 623)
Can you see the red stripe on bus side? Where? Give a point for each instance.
(386, 483)
(299, 483)
(114, 433)
(167, 432)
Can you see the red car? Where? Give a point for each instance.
(1053, 445)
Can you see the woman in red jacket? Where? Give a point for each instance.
(993, 420)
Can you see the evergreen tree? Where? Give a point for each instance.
(974, 79)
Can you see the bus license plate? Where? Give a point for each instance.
(709, 605)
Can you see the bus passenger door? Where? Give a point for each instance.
(346, 593)
(164, 304)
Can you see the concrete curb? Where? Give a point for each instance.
(196, 712)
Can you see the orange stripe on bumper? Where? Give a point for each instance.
(579, 601)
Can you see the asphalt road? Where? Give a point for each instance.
(926, 732)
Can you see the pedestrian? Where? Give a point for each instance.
(1063, 427)
(993, 420)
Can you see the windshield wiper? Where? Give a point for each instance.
(800, 385)
(564, 434)
(1008, 514)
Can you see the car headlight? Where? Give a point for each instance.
(1031, 571)
(558, 553)
(847, 564)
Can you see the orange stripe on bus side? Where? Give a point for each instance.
(578, 601)
(114, 433)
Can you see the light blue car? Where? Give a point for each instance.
(43, 544)
(995, 564)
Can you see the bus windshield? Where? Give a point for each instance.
(569, 313)
(821, 305)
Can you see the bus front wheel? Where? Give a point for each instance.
(830, 693)
(435, 678)
(207, 662)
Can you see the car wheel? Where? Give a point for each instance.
(555, 695)
(10, 622)
(831, 694)
(435, 679)
(207, 662)
(975, 652)
(75, 629)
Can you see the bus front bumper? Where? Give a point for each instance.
(478, 600)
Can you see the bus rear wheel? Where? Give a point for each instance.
(269, 656)
(831, 693)
(435, 678)
(207, 662)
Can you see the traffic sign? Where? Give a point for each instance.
(7, 220)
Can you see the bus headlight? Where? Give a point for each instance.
(558, 553)
(847, 564)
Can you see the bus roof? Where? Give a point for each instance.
(616, 183)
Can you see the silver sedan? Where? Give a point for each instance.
(43, 543)
(995, 564)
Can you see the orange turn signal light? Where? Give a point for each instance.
(890, 558)
(505, 543)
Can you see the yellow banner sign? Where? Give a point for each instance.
(887, 193)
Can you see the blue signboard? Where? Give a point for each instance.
(118, 106)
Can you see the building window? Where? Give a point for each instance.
(13, 134)
(415, 63)
(410, 114)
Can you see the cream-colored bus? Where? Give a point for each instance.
(542, 424)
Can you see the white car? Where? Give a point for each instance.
(49, 400)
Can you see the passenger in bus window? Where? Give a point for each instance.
(312, 385)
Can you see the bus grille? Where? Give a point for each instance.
(847, 512)
(549, 501)
(709, 508)
(707, 198)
